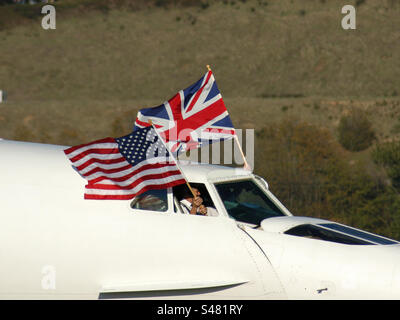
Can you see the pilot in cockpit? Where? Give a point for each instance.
(194, 205)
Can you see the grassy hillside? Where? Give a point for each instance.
(256, 48)
(73, 121)
(273, 58)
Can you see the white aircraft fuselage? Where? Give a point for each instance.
(57, 245)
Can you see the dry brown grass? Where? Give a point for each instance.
(255, 50)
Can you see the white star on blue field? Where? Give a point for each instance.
(141, 145)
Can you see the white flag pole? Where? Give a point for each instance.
(246, 165)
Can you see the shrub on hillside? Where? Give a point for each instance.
(355, 132)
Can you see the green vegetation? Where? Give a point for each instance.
(355, 131)
(388, 155)
(324, 101)
(306, 167)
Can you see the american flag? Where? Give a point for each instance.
(122, 168)
(194, 117)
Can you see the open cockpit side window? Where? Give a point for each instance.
(152, 200)
(182, 191)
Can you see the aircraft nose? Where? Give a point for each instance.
(396, 281)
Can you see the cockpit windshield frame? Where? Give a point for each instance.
(249, 213)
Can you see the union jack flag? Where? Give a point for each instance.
(194, 117)
(122, 168)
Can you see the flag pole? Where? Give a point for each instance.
(246, 165)
(176, 162)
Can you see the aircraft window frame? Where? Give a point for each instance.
(260, 187)
(317, 232)
(204, 193)
(167, 200)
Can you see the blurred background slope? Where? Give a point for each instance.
(109, 50)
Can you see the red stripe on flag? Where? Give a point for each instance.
(105, 140)
(107, 171)
(146, 124)
(130, 196)
(133, 184)
(133, 173)
(94, 151)
(216, 130)
(196, 97)
(142, 123)
(195, 121)
(100, 161)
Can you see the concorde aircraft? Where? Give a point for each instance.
(56, 245)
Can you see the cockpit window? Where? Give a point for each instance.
(154, 200)
(316, 232)
(358, 233)
(246, 202)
